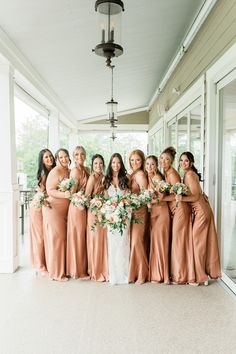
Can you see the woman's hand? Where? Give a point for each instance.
(67, 194)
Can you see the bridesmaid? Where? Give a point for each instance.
(182, 263)
(46, 162)
(138, 271)
(76, 260)
(55, 218)
(205, 244)
(159, 227)
(97, 239)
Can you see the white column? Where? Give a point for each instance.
(9, 193)
(53, 134)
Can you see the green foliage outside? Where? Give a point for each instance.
(31, 138)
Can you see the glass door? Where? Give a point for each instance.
(227, 180)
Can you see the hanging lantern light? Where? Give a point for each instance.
(109, 18)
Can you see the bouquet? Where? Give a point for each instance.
(179, 189)
(116, 213)
(95, 205)
(145, 197)
(66, 184)
(79, 199)
(39, 199)
(163, 187)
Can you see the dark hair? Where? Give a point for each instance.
(65, 151)
(122, 175)
(191, 159)
(156, 161)
(42, 169)
(95, 157)
(170, 150)
(140, 154)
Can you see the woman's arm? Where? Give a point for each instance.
(52, 185)
(90, 186)
(141, 180)
(192, 181)
(75, 175)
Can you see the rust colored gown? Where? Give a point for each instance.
(159, 242)
(138, 269)
(97, 240)
(76, 252)
(55, 225)
(205, 243)
(37, 251)
(182, 262)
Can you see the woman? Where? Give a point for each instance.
(55, 218)
(46, 162)
(159, 227)
(138, 271)
(76, 260)
(182, 263)
(96, 239)
(205, 245)
(116, 184)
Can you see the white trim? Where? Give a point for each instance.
(120, 128)
(193, 93)
(119, 114)
(195, 27)
(25, 74)
(229, 282)
(157, 126)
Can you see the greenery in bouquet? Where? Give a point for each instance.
(179, 189)
(163, 187)
(66, 184)
(79, 199)
(38, 200)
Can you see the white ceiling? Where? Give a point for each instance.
(57, 37)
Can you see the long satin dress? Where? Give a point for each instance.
(138, 270)
(97, 240)
(182, 261)
(76, 252)
(37, 251)
(205, 243)
(55, 225)
(159, 242)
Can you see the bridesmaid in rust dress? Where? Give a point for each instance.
(159, 227)
(182, 262)
(97, 239)
(46, 162)
(55, 218)
(138, 271)
(205, 243)
(76, 260)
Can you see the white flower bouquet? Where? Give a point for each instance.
(66, 184)
(179, 189)
(79, 200)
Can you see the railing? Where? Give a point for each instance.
(26, 195)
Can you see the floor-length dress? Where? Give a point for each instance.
(76, 251)
(96, 240)
(118, 249)
(55, 224)
(182, 262)
(159, 243)
(37, 250)
(205, 243)
(138, 270)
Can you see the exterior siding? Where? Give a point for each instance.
(217, 34)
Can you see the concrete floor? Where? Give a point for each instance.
(84, 317)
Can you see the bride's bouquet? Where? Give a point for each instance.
(79, 200)
(116, 213)
(66, 184)
(179, 189)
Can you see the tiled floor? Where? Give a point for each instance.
(84, 317)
